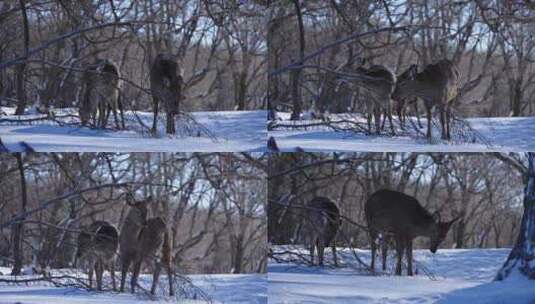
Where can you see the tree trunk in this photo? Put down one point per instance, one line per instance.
(296, 74)
(21, 68)
(18, 229)
(523, 253)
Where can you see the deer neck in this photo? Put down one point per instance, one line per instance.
(428, 229)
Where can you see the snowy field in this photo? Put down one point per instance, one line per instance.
(499, 134)
(458, 276)
(215, 131)
(220, 288)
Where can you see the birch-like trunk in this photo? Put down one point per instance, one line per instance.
(521, 260)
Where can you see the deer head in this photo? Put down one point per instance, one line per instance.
(439, 232)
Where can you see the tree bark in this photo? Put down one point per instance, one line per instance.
(521, 258)
(295, 75)
(18, 229)
(21, 68)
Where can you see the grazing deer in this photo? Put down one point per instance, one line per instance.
(166, 88)
(100, 93)
(399, 216)
(321, 226)
(437, 85)
(141, 239)
(97, 246)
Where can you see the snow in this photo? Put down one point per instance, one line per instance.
(221, 288)
(502, 134)
(458, 276)
(233, 131)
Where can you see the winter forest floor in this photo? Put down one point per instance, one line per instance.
(503, 134)
(219, 288)
(451, 276)
(224, 131)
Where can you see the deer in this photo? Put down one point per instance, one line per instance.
(380, 82)
(322, 221)
(166, 87)
(437, 85)
(99, 93)
(143, 239)
(97, 246)
(400, 217)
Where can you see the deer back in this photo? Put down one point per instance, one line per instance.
(322, 220)
(166, 80)
(99, 240)
(438, 82)
(379, 80)
(397, 213)
(151, 238)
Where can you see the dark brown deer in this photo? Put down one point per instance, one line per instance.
(322, 221)
(97, 247)
(99, 93)
(142, 240)
(396, 215)
(437, 85)
(166, 88)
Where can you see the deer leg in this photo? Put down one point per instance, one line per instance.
(170, 123)
(409, 257)
(155, 102)
(389, 114)
(399, 251)
(135, 275)
(443, 122)
(377, 117)
(334, 254)
(429, 118)
(384, 252)
(448, 120)
(417, 114)
(155, 276)
(321, 249)
(124, 270)
(90, 275)
(112, 274)
(312, 247)
(98, 271)
(374, 249)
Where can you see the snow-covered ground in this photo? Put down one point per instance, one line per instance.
(217, 131)
(513, 134)
(220, 288)
(460, 276)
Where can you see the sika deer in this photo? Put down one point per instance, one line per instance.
(436, 85)
(166, 87)
(397, 215)
(99, 93)
(142, 239)
(380, 82)
(128, 239)
(154, 243)
(97, 247)
(321, 226)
